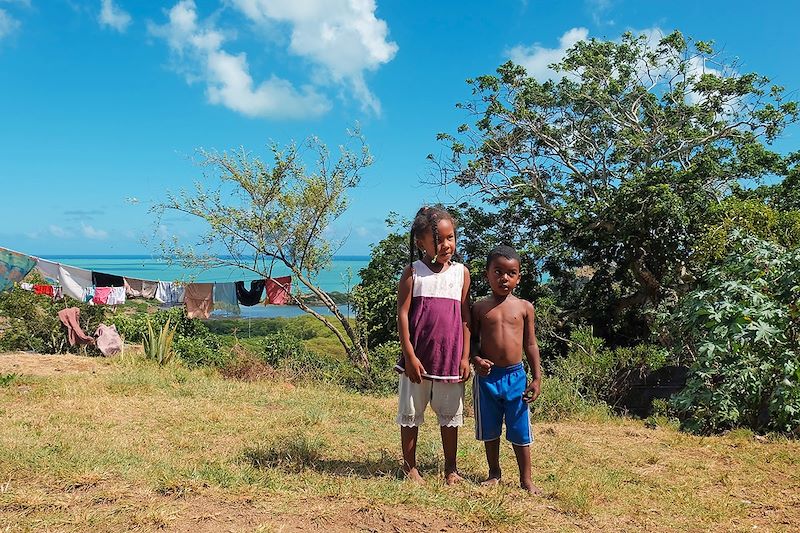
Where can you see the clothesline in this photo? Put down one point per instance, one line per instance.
(101, 288)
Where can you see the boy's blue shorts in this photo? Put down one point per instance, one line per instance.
(498, 396)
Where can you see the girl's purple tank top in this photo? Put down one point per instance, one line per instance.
(435, 323)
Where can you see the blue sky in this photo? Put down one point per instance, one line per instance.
(103, 101)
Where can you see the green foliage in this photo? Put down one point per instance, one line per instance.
(740, 332)
(262, 214)
(30, 322)
(7, 379)
(157, 343)
(614, 166)
(600, 374)
(193, 342)
(561, 400)
(375, 298)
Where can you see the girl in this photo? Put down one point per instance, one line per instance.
(433, 324)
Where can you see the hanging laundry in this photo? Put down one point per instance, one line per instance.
(169, 293)
(116, 296)
(101, 295)
(108, 340)
(58, 293)
(279, 290)
(26, 286)
(70, 317)
(13, 267)
(225, 298)
(46, 290)
(107, 280)
(251, 297)
(140, 288)
(88, 294)
(75, 281)
(199, 298)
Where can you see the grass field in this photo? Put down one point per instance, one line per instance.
(124, 445)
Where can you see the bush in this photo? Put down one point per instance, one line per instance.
(31, 322)
(193, 342)
(560, 399)
(740, 333)
(600, 374)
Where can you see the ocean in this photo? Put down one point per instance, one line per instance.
(341, 276)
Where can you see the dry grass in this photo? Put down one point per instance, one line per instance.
(137, 447)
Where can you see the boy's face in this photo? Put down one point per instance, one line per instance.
(503, 275)
(447, 242)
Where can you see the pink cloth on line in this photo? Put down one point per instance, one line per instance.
(101, 295)
(278, 290)
(199, 300)
(108, 340)
(70, 317)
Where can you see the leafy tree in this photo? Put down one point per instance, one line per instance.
(611, 170)
(262, 214)
(740, 334)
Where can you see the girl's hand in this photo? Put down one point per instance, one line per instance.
(482, 366)
(464, 369)
(414, 369)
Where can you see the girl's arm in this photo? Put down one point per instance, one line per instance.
(414, 369)
(466, 320)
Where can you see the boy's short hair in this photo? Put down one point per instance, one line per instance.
(503, 250)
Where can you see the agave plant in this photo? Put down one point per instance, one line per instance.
(158, 346)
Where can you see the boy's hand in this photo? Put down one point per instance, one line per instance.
(532, 390)
(464, 369)
(482, 366)
(414, 369)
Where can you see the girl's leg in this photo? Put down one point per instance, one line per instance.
(450, 446)
(408, 441)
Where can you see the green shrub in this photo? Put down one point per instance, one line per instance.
(600, 374)
(158, 343)
(740, 334)
(560, 399)
(193, 342)
(29, 321)
(382, 375)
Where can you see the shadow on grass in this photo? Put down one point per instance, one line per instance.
(304, 454)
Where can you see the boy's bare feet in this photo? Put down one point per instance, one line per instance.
(452, 478)
(531, 488)
(414, 476)
(492, 480)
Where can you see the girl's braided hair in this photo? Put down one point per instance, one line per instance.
(427, 217)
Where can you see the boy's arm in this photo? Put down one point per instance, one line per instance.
(414, 369)
(532, 353)
(466, 321)
(482, 366)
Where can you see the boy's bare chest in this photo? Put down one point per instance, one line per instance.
(509, 318)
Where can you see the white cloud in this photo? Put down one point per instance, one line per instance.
(599, 10)
(92, 233)
(113, 16)
(8, 24)
(58, 231)
(227, 76)
(342, 38)
(537, 59)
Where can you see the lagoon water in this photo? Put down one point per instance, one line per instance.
(341, 276)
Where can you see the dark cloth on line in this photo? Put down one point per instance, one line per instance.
(251, 297)
(70, 317)
(107, 280)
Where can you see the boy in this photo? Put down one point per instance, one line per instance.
(502, 328)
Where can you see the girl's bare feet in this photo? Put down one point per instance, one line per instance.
(531, 488)
(451, 478)
(414, 476)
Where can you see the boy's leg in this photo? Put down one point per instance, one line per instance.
(523, 454)
(493, 460)
(408, 441)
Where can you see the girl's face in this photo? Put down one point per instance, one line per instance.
(447, 242)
